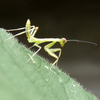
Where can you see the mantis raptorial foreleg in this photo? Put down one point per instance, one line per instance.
(51, 51)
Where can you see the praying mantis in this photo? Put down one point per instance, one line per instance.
(30, 33)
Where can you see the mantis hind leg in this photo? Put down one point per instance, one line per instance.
(52, 51)
(28, 35)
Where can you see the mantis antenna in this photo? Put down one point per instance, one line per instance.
(72, 40)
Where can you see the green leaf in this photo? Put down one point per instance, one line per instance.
(33, 80)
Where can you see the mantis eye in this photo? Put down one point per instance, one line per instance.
(63, 41)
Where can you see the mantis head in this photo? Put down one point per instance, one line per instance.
(63, 41)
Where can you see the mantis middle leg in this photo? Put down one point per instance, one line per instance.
(39, 48)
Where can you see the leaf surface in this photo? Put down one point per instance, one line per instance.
(33, 80)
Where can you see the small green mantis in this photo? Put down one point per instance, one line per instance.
(30, 33)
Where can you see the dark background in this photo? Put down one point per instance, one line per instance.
(72, 19)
